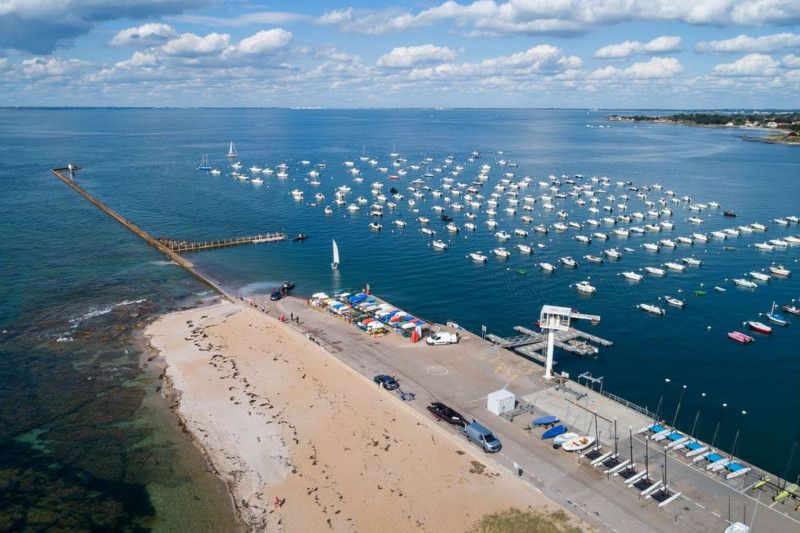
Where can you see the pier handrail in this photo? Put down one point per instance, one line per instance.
(628, 404)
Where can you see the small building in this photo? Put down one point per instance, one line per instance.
(501, 401)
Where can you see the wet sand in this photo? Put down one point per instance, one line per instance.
(276, 415)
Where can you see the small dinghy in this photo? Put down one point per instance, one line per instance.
(578, 443)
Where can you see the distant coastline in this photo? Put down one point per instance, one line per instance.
(787, 123)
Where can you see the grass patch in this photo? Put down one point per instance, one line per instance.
(514, 520)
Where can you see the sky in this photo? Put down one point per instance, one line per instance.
(611, 54)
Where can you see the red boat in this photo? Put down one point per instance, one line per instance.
(759, 327)
(740, 337)
(729, 214)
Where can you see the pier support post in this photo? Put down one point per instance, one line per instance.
(548, 369)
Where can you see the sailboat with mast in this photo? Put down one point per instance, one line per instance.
(232, 151)
(335, 263)
(204, 164)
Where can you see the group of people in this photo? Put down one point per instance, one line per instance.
(292, 318)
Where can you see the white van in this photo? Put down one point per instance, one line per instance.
(442, 338)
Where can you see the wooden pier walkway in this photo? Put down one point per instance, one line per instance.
(185, 246)
(155, 243)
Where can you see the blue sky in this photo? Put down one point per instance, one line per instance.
(670, 54)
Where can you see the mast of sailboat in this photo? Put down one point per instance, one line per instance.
(335, 263)
(232, 151)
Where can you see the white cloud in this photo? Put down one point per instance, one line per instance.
(406, 56)
(541, 60)
(758, 65)
(191, 45)
(51, 67)
(145, 35)
(791, 61)
(657, 67)
(744, 43)
(659, 45)
(265, 42)
(489, 17)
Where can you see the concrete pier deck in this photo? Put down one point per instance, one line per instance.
(462, 376)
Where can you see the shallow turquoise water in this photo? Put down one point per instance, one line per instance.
(68, 271)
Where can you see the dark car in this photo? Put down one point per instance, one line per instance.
(442, 412)
(387, 382)
(276, 295)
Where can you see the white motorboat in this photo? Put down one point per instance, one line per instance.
(594, 258)
(568, 262)
(675, 266)
(439, 245)
(684, 240)
(479, 257)
(328, 210)
(400, 223)
(451, 227)
(633, 276)
(583, 238)
(524, 248)
(613, 253)
(692, 261)
(501, 252)
(653, 309)
(674, 301)
(502, 235)
(520, 233)
(470, 226)
(655, 271)
(375, 226)
(427, 231)
(780, 270)
(651, 246)
(699, 237)
(696, 220)
(667, 243)
(547, 267)
(760, 276)
(600, 236)
(747, 284)
(764, 246)
(492, 223)
(585, 286)
(541, 228)
(560, 226)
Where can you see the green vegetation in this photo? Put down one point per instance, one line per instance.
(785, 123)
(530, 521)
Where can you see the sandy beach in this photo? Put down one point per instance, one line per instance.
(276, 415)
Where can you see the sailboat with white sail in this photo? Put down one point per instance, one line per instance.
(335, 263)
(232, 151)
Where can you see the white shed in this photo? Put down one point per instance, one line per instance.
(501, 401)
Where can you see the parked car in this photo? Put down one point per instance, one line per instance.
(442, 338)
(386, 382)
(451, 416)
(481, 436)
(276, 295)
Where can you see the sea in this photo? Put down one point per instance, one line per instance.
(88, 437)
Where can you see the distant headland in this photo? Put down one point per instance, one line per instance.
(785, 122)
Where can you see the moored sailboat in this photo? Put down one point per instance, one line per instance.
(335, 263)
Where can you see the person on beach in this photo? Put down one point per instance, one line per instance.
(291, 317)
(277, 503)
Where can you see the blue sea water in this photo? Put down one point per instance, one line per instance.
(70, 273)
